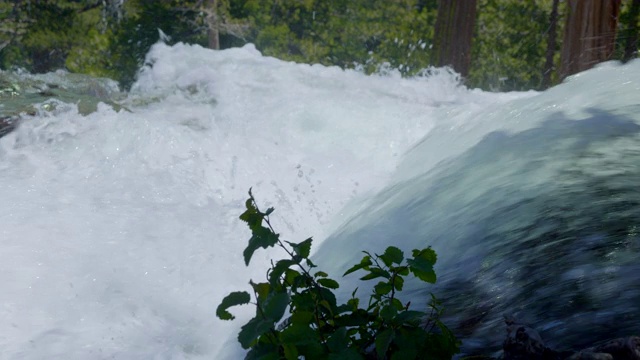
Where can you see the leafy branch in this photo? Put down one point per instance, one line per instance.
(316, 326)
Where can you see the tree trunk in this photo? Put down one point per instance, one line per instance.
(551, 46)
(214, 38)
(213, 23)
(631, 46)
(589, 36)
(453, 34)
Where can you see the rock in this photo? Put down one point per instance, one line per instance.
(522, 342)
(525, 343)
(588, 355)
(627, 348)
(7, 124)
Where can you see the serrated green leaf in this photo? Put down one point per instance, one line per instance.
(338, 341)
(310, 263)
(320, 274)
(313, 351)
(265, 232)
(303, 301)
(330, 298)
(423, 269)
(329, 283)
(275, 306)
(410, 338)
(233, 299)
(353, 303)
(302, 317)
(383, 340)
(392, 255)
(364, 264)
(358, 317)
(427, 254)
(302, 249)
(404, 271)
(376, 273)
(398, 282)
(422, 264)
(435, 303)
(398, 304)
(382, 288)
(279, 269)
(253, 219)
(409, 316)
(252, 216)
(263, 351)
(290, 352)
(261, 289)
(262, 238)
(299, 334)
(251, 331)
(325, 304)
(388, 312)
(250, 203)
(294, 279)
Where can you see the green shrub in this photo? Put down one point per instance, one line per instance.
(317, 326)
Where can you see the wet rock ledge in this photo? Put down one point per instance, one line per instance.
(7, 124)
(525, 343)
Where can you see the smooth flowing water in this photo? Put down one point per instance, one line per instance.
(119, 229)
(533, 208)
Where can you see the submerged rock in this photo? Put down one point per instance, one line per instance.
(525, 343)
(7, 124)
(627, 348)
(23, 93)
(522, 342)
(585, 355)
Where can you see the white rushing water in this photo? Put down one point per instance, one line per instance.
(119, 230)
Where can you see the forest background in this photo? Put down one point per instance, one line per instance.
(503, 44)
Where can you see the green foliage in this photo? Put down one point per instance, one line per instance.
(111, 38)
(139, 30)
(40, 36)
(345, 33)
(508, 51)
(628, 30)
(317, 326)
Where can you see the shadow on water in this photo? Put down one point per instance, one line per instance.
(543, 224)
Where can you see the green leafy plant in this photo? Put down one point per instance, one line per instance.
(317, 326)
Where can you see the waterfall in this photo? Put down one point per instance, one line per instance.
(119, 228)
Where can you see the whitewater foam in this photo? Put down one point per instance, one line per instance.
(119, 229)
